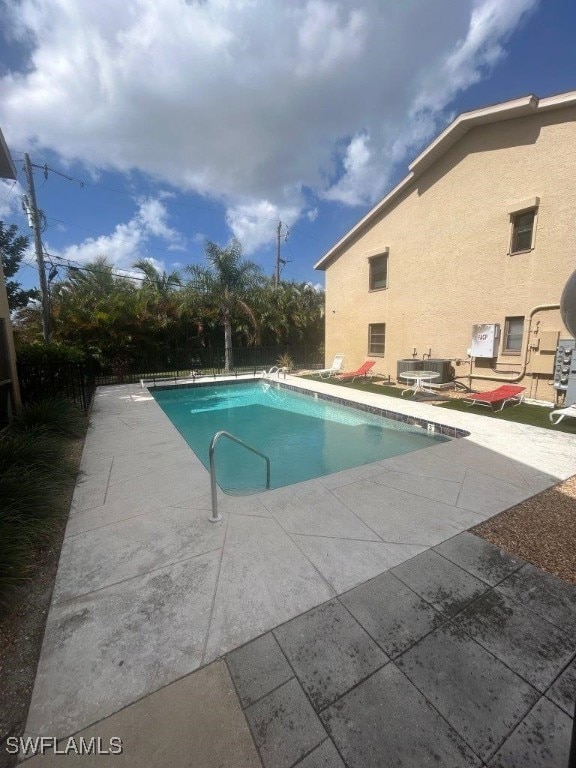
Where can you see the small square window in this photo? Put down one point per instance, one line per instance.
(522, 231)
(513, 334)
(376, 339)
(378, 272)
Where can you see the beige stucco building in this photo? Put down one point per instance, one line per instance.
(482, 230)
(9, 391)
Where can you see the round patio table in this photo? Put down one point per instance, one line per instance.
(420, 378)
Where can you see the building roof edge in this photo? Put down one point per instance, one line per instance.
(7, 167)
(506, 110)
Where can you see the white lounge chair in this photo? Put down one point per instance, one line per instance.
(337, 365)
(570, 410)
(274, 371)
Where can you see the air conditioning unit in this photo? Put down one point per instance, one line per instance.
(443, 367)
(408, 364)
(485, 340)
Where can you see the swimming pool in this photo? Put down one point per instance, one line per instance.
(303, 437)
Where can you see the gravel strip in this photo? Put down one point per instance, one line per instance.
(541, 530)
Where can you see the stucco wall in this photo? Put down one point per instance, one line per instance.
(449, 263)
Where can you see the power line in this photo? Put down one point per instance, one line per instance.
(7, 195)
(45, 168)
(101, 187)
(78, 268)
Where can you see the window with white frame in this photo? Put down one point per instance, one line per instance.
(513, 335)
(376, 339)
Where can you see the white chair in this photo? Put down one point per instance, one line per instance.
(570, 410)
(274, 371)
(337, 365)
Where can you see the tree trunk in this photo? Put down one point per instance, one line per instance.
(228, 361)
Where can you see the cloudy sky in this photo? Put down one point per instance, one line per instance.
(182, 120)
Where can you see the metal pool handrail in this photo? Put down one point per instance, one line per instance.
(215, 516)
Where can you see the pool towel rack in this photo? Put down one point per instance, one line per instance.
(216, 517)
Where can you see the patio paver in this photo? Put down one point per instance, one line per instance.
(528, 644)
(563, 692)
(329, 651)
(479, 696)
(122, 632)
(284, 726)
(394, 615)
(479, 557)
(444, 585)
(549, 597)
(387, 719)
(541, 740)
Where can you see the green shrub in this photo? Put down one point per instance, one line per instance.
(37, 448)
(53, 352)
(285, 361)
(15, 555)
(55, 415)
(36, 469)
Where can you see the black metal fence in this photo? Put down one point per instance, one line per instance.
(76, 381)
(180, 363)
(40, 381)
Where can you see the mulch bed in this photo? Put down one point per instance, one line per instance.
(541, 530)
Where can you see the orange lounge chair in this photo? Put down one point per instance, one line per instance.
(364, 370)
(507, 393)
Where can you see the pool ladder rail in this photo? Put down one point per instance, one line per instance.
(216, 517)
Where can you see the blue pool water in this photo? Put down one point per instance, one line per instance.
(302, 436)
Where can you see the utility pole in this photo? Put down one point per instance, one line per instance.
(277, 275)
(34, 219)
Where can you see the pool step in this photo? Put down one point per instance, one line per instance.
(243, 491)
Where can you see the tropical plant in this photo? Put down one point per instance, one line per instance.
(289, 313)
(160, 290)
(103, 313)
(130, 326)
(12, 250)
(224, 287)
(285, 361)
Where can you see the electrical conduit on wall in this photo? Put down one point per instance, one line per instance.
(518, 376)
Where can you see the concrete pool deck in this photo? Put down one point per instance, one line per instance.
(148, 590)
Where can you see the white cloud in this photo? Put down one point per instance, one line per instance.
(252, 101)
(255, 224)
(153, 216)
(362, 179)
(312, 214)
(129, 241)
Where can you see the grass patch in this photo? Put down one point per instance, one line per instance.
(36, 472)
(533, 415)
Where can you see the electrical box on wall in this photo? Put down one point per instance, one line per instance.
(485, 340)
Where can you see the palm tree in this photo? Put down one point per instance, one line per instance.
(224, 286)
(161, 284)
(289, 313)
(160, 290)
(103, 313)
